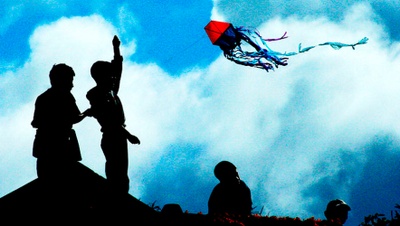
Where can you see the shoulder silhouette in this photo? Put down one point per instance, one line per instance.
(231, 195)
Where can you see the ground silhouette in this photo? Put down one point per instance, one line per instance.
(86, 200)
(79, 200)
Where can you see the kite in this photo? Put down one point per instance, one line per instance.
(229, 39)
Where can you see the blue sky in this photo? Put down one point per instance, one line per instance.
(324, 127)
(166, 32)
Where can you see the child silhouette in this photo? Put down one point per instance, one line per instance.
(337, 212)
(55, 146)
(231, 195)
(107, 108)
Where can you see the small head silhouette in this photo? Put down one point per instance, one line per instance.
(101, 72)
(226, 172)
(61, 77)
(337, 209)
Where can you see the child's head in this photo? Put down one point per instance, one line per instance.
(62, 76)
(337, 210)
(226, 172)
(101, 72)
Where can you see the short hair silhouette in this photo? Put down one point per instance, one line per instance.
(337, 210)
(60, 73)
(100, 69)
(225, 171)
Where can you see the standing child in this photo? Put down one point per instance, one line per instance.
(107, 109)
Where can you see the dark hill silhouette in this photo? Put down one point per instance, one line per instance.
(84, 198)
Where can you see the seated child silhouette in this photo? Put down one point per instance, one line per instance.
(231, 195)
(107, 108)
(337, 212)
(55, 146)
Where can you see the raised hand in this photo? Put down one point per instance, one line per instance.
(116, 42)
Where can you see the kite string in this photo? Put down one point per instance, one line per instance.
(185, 49)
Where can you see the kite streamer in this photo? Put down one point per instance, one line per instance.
(229, 39)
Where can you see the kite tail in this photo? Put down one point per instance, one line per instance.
(264, 57)
(275, 39)
(253, 37)
(361, 42)
(335, 45)
(260, 59)
(248, 59)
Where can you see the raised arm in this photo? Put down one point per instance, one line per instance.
(117, 63)
(116, 43)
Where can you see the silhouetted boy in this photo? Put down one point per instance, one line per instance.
(107, 109)
(231, 195)
(337, 212)
(55, 146)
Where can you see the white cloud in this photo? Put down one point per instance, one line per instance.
(286, 130)
(285, 124)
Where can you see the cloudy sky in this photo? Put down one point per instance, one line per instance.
(326, 126)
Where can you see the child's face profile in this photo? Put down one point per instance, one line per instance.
(228, 174)
(69, 84)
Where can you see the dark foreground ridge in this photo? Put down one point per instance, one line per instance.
(83, 199)
(86, 200)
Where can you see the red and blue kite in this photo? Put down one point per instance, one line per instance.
(229, 39)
